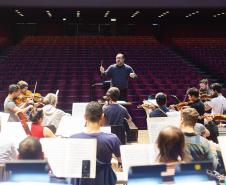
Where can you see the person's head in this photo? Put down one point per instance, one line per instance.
(36, 115)
(193, 94)
(161, 98)
(14, 90)
(171, 145)
(113, 94)
(93, 112)
(189, 117)
(50, 99)
(120, 59)
(23, 86)
(30, 148)
(216, 88)
(204, 84)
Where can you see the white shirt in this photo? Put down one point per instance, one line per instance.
(217, 104)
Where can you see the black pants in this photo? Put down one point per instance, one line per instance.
(123, 94)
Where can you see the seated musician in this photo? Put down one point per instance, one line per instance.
(37, 128)
(204, 87)
(198, 146)
(217, 104)
(52, 114)
(196, 103)
(10, 105)
(161, 109)
(171, 145)
(114, 113)
(107, 144)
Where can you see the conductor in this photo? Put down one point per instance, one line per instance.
(119, 74)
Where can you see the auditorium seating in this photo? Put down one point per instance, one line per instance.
(209, 53)
(71, 64)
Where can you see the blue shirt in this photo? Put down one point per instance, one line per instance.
(115, 114)
(159, 112)
(119, 75)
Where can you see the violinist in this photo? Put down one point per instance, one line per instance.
(196, 103)
(161, 109)
(25, 94)
(10, 105)
(204, 88)
(217, 104)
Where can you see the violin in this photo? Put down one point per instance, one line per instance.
(180, 105)
(208, 97)
(23, 121)
(147, 106)
(217, 117)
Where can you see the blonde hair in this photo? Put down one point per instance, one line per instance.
(189, 116)
(51, 99)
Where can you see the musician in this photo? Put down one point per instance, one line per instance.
(52, 115)
(161, 109)
(107, 144)
(25, 94)
(114, 113)
(119, 74)
(37, 127)
(10, 105)
(196, 103)
(204, 87)
(217, 104)
(197, 146)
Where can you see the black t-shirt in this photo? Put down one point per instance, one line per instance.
(198, 105)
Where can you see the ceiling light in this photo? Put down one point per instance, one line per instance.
(113, 19)
(64, 19)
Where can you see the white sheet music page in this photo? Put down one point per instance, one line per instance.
(222, 144)
(156, 124)
(14, 131)
(65, 155)
(4, 117)
(78, 110)
(137, 155)
(69, 125)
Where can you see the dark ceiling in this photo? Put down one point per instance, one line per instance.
(36, 15)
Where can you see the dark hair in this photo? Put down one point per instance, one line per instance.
(193, 92)
(123, 56)
(93, 111)
(161, 98)
(113, 93)
(216, 87)
(30, 148)
(13, 88)
(171, 144)
(36, 115)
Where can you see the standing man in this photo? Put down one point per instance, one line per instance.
(10, 105)
(119, 74)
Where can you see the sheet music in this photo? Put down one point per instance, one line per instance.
(70, 125)
(156, 124)
(14, 131)
(4, 117)
(65, 156)
(137, 155)
(78, 110)
(222, 144)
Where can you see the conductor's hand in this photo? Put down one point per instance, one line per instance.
(101, 69)
(132, 75)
